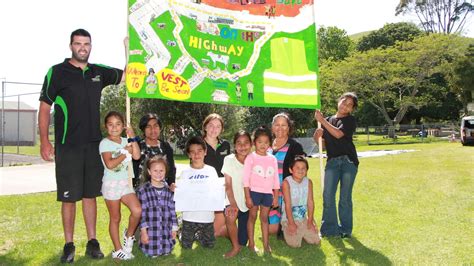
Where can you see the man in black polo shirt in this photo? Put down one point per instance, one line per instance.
(75, 86)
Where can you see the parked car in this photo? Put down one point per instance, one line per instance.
(467, 130)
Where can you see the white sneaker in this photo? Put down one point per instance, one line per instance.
(122, 255)
(128, 242)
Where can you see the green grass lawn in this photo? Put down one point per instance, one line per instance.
(411, 208)
(25, 150)
(359, 139)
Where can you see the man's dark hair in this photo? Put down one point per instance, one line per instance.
(80, 32)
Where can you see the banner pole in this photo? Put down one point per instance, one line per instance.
(321, 164)
(131, 174)
(320, 141)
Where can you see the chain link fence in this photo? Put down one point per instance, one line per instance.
(406, 134)
(19, 126)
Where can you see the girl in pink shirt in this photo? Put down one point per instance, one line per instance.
(261, 185)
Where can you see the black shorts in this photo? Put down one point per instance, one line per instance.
(79, 172)
(202, 232)
(261, 199)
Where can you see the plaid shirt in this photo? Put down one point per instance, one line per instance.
(159, 217)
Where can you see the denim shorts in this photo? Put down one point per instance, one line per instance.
(261, 199)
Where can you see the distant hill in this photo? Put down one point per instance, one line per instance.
(356, 37)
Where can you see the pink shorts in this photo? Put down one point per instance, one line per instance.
(116, 189)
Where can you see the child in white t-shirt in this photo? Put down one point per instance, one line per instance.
(198, 225)
(236, 210)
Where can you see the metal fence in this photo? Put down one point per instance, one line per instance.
(19, 115)
(401, 134)
(406, 134)
(372, 135)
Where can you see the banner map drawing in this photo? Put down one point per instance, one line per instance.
(243, 52)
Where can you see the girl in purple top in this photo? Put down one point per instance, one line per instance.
(158, 224)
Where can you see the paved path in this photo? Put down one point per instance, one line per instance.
(41, 178)
(36, 178)
(27, 179)
(10, 159)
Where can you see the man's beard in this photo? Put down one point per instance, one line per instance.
(80, 59)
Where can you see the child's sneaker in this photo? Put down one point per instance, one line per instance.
(121, 255)
(128, 242)
(69, 251)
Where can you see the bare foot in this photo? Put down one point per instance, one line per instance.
(232, 253)
(268, 249)
(253, 249)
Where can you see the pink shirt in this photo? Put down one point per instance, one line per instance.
(261, 173)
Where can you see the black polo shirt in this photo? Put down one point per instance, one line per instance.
(76, 94)
(215, 158)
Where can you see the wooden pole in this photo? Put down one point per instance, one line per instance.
(131, 174)
(321, 164)
(320, 141)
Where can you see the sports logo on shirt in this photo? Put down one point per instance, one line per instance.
(198, 176)
(96, 78)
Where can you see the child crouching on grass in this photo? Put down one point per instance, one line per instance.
(158, 224)
(198, 225)
(116, 153)
(298, 206)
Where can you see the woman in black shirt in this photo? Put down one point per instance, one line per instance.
(152, 144)
(217, 149)
(342, 165)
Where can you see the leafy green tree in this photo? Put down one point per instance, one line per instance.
(439, 16)
(388, 35)
(368, 115)
(180, 119)
(463, 79)
(333, 44)
(258, 116)
(398, 78)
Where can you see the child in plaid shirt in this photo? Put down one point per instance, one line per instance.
(158, 224)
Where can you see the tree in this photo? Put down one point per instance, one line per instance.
(398, 78)
(333, 44)
(257, 116)
(388, 35)
(180, 119)
(439, 16)
(463, 79)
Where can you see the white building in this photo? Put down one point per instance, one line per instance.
(20, 123)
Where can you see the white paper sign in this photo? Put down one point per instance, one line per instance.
(199, 195)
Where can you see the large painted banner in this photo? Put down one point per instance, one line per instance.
(243, 52)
